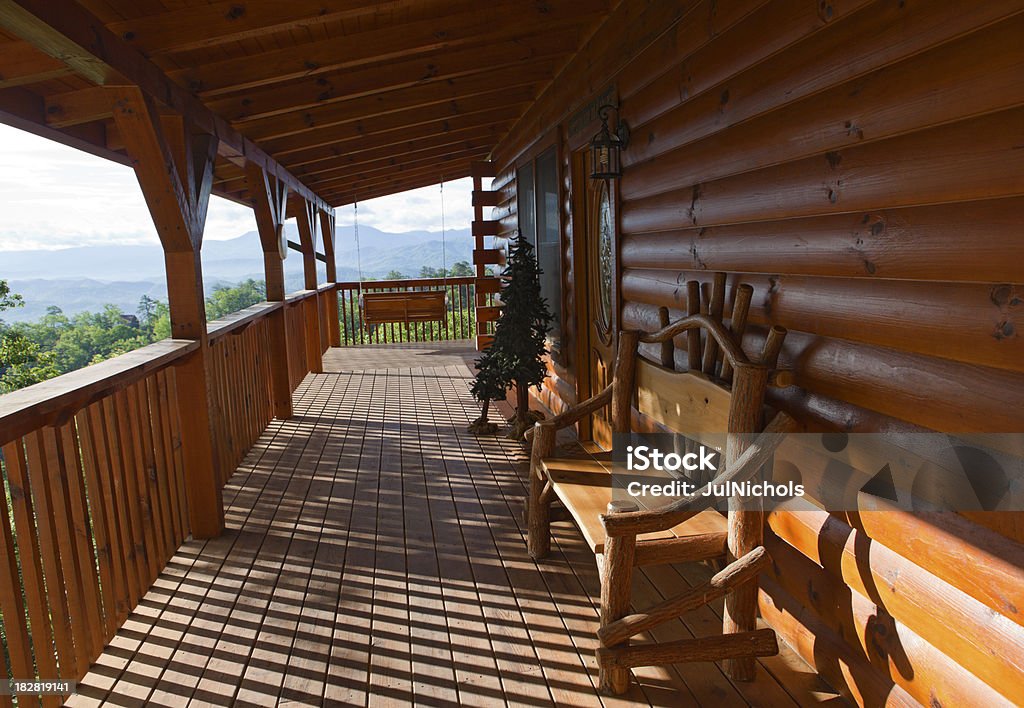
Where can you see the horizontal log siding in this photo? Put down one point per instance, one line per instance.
(857, 162)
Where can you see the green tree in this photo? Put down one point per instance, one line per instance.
(396, 275)
(146, 312)
(461, 269)
(520, 333)
(226, 299)
(9, 300)
(22, 361)
(490, 384)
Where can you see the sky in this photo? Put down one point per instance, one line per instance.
(54, 196)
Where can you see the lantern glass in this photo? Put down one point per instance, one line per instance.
(605, 151)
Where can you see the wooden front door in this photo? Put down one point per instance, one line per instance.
(595, 221)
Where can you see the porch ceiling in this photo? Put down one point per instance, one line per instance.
(355, 98)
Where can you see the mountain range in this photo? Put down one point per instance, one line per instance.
(90, 277)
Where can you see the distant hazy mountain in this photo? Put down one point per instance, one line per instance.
(89, 277)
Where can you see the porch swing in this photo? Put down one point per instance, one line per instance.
(407, 307)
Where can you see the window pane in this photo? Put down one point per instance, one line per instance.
(547, 239)
(526, 202)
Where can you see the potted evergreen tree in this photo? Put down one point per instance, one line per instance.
(520, 334)
(489, 385)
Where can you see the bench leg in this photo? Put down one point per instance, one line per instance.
(616, 589)
(538, 519)
(538, 509)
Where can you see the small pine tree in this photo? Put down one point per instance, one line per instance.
(520, 334)
(489, 385)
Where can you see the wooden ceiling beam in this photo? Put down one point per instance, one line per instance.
(409, 142)
(25, 110)
(397, 161)
(232, 179)
(343, 197)
(65, 30)
(23, 64)
(385, 103)
(385, 170)
(628, 29)
(456, 127)
(329, 88)
(399, 183)
(223, 21)
(505, 20)
(77, 107)
(511, 101)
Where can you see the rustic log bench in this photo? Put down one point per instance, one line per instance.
(724, 395)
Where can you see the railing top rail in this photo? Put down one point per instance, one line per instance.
(238, 321)
(50, 401)
(406, 283)
(298, 296)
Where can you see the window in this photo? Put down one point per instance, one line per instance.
(537, 192)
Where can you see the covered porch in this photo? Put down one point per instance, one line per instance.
(374, 553)
(248, 512)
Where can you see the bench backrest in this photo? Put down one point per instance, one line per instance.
(720, 393)
(411, 306)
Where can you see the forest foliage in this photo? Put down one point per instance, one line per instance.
(56, 343)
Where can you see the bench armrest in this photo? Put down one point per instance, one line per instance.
(631, 523)
(580, 410)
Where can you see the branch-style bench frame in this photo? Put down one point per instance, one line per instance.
(624, 536)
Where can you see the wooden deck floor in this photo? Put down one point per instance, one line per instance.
(375, 555)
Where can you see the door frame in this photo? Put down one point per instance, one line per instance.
(581, 218)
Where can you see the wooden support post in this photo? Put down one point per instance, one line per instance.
(746, 519)
(176, 174)
(308, 225)
(616, 589)
(269, 199)
(327, 224)
(480, 170)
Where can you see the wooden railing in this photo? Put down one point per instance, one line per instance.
(94, 505)
(460, 321)
(241, 403)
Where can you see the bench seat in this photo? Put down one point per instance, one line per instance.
(583, 483)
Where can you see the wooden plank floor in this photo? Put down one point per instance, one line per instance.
(375, 555)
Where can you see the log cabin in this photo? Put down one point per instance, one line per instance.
(237, 514)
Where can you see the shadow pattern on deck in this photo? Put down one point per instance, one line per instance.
(375, 554)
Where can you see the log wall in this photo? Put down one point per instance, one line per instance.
(858, 163)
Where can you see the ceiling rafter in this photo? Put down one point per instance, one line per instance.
(505, 20)
(483, 133)
(435, 115)
(199, 26)
(307, 93)
(458, 125)
(66, 30)
(365, 108)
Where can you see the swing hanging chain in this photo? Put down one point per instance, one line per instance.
(444, 254)
(359, 255)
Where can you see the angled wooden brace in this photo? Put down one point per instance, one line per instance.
(327, 224)
(174, 166)
(309, 225)
(270, 195)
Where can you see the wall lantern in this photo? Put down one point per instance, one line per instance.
(606, 147)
